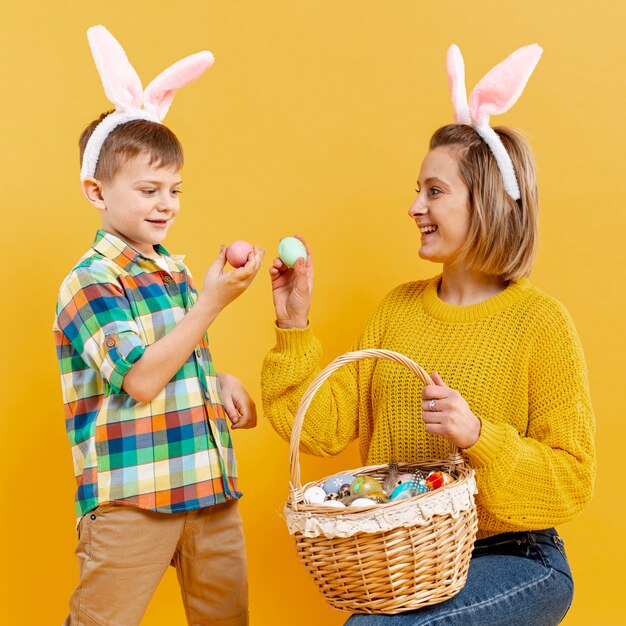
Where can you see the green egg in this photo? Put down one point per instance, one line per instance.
(364, 485)
(290, 250)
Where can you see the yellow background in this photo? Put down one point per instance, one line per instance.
(314, 119)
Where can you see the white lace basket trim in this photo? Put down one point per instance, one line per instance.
(452, 500)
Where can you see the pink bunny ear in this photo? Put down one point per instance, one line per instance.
(500, 88)
(119, 78)
(160, 92)
(456, 82)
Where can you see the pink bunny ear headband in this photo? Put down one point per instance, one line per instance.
(123, 88)
(495, 93)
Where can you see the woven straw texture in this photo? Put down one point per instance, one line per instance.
(392, 557)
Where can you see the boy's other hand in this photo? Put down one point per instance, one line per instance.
(292, 289)
(238, 404)
(220, 288)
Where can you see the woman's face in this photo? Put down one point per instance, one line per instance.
(441, 209)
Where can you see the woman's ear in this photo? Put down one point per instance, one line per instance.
(92, 190)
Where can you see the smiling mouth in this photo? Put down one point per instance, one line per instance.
(158, 222)
(425, 230)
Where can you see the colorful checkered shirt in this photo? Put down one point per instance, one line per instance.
(171, 454)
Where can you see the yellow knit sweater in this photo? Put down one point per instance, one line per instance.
(516, 359)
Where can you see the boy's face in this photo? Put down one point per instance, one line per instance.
(140, 203)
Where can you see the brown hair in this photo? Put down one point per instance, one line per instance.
(503, 232)
(130, 139)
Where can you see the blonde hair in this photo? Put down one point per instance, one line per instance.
(503, 232)
(130, 139)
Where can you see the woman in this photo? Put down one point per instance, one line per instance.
(510, 380)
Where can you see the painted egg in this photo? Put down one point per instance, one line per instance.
(364, 485)
(237, 253)
(335, 483)
(436, 480)
(290, 250)
(403, 491)
(335, 504)
(377, 496)
(361, 502)
(408, 490)
(405, 478)
(314, 495)
(344, 491)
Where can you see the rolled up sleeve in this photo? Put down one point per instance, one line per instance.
(95, 315)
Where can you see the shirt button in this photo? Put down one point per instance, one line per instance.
(207, 395)
(167, 278)
(110, 342)
(199, 353)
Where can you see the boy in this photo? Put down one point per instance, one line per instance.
(145, 409)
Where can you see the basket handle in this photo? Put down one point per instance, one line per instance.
(307, 398)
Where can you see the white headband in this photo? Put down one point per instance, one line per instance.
(495, 93)
(124, 89)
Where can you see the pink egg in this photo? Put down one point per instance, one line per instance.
(237, 253)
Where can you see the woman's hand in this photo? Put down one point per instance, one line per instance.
(238, 404)
(446, 413)
(220, 288)
(291, 290)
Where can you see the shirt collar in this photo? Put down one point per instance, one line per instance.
(114, 248)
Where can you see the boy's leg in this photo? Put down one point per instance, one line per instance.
(123, 553)
(212, 568)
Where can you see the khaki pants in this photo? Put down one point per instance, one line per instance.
(123, 553)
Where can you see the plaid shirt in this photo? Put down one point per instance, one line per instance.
(171, 454)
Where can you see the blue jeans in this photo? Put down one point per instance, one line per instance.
(514, 579)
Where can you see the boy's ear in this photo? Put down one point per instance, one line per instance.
(92, 190)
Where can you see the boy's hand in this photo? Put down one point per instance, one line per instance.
(238, 404)
(220, 288)
(291, 290)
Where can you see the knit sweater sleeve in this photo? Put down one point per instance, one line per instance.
(544, 476)
(332, 420)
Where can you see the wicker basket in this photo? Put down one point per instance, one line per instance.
(387, 558)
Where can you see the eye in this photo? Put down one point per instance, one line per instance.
(435, 191)
(176, 192)
(148, 192)
(418, 189)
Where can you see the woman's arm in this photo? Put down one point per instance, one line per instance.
(545, 476)
(332, 420)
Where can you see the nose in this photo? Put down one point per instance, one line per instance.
(418, 207)
(166, 202)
